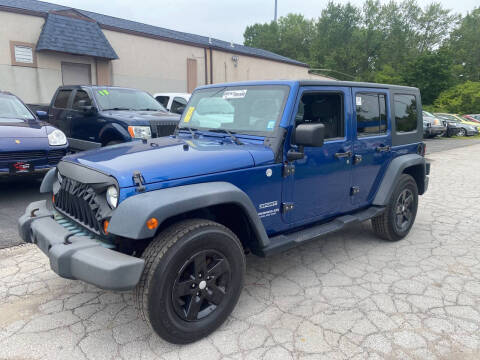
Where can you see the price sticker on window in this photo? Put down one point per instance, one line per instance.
(358, 100)
(189, 114)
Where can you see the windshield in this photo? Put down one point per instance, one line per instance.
(126, 99)
(426, 113)
(254, 109)
(11, 108)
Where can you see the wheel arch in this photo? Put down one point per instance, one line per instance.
(218, 201)
(113, 131)
(411, 164)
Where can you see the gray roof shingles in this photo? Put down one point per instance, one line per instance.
(74, 36)
(127, 25)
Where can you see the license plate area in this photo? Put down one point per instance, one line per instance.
(20, 167)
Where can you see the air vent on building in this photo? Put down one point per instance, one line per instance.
(23, 54)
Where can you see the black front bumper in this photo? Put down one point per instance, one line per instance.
(78, 256)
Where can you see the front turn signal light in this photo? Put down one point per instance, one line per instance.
(152, 223)
(105, 227)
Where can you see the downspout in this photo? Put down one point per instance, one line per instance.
(206, 71)
(211, 66)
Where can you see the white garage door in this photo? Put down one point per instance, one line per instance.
(76, 74)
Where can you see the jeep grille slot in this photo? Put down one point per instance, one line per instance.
(78, 201)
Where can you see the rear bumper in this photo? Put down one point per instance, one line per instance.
(78, 257)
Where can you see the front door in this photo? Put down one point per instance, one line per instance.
(320, 186)
(84, 124)
(371, 148)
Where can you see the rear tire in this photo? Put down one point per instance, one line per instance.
(192, 280)
(398, 218)
(462, 132)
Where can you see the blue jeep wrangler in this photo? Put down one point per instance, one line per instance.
(253, 167)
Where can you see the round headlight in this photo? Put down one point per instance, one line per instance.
(112, 196)
(57, 138)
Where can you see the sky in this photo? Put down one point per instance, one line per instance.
(221, 19)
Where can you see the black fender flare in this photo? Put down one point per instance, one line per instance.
(130, 217)
(115, 128)
(392, 176)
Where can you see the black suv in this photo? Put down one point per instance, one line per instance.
(95, 116)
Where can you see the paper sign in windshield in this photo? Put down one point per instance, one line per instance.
(234, 94)
(188, 115)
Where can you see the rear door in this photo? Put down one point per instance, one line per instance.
(59, 113)
(372, 142)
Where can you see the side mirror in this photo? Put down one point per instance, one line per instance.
(42, 115)
(311, 135)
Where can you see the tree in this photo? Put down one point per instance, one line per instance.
(463, 98)
(431, 72)
(465, 45)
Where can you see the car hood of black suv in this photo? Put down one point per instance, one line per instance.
(170, 158)
(140, 115)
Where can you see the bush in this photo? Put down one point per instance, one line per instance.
(463, 99)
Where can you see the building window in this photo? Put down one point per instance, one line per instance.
(23, 54)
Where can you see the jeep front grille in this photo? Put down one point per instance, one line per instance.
(78, 201)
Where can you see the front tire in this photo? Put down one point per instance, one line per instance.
(398, 218)
(462, 132)
(192, 280)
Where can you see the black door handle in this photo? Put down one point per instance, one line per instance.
(383, 148)
(340, 155)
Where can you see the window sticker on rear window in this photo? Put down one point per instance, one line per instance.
(271, 125)
(358, 100)
(189, 114)
(234, 94)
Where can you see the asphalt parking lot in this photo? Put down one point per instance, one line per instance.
(348, 295)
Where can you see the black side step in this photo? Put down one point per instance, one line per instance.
(284, 242)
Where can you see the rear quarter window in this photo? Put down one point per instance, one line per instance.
(406, 114)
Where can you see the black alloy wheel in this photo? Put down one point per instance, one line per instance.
(404, 210)
(201, 285)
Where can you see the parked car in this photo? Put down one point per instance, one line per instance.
(173, 102)
(432, 126)
(95, 116)
(472, 117)
(466, 128)
(27, 145)
(173, 217)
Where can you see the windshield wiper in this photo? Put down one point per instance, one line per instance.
(192, 130)
(116, 108)
(229, 133)
(148, 109)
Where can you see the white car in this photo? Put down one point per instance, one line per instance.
(173, 102)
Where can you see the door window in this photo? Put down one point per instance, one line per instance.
(371, 114)
(323, 108)
(178, 105)
(163, 100)
(405, 113)
(81, 99)
(61, 101)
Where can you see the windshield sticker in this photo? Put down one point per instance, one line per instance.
(358, 100)
(189, 114)
(271, 125)
(103, 92)
(234, 94)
